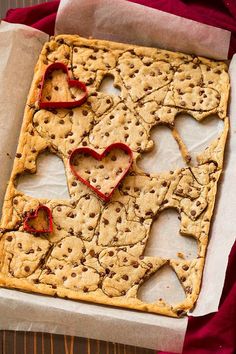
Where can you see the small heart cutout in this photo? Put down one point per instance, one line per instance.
(103, 178)
(38, 221)
(198, 135)
(49, 181)
(108, 86)
(54, 87)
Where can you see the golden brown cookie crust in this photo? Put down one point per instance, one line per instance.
(96, 250)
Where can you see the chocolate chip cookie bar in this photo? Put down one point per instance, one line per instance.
(95, 250)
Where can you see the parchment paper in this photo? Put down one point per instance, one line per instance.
(19, 50)
(123, 21)
(24, 311)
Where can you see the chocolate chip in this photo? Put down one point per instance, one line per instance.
(185, 267)
(18, 155)
(164, 184)
(106, 222)
(27, 269)
(84, 269)
(73, 275)
(19, 245)
(193, 212)
(198, 203)
(92, 215)
(75, 50)
(125, 277)
(90, 228)
(52, 136)
(85, 289)
(135, 264)
(74, 183)
(69, 250)
(180, 312)
(92, 253)
(111, 253)
(9, 238)
(89, 82)
(113, 158)
(85, 113)
(119, 219)
(188, 290)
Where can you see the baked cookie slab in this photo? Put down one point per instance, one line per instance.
(96, 250)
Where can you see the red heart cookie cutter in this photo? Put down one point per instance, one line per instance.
(34, 215)
(71, 83)
(99, 157)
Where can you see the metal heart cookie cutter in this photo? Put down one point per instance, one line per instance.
(88, 151)
(71, 83)
(34, 215)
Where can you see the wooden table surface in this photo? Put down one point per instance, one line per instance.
(12, 342)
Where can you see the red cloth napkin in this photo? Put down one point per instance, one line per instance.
(216, 332)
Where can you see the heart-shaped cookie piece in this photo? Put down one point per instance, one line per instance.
(101, 172)
(39, 220)
(60, 91)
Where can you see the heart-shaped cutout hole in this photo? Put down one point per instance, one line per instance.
(102, 172)
(108, 86)
(165, 232)
(39, 221)
(58, 90)
(165, 155)
(49, 181)
(164, 286)
(196, 135)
